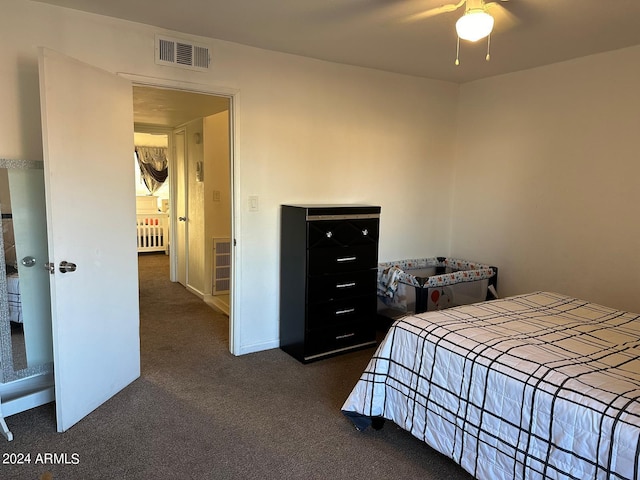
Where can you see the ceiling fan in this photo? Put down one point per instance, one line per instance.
(475, 24)
(493, 9)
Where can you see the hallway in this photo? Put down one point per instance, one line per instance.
(173, 319)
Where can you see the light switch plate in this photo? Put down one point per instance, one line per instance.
(253, 203)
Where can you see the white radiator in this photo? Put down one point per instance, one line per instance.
(221, 266)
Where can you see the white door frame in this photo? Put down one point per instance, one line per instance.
(234, 102)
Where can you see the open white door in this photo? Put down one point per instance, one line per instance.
(87, 122)
(180, 239)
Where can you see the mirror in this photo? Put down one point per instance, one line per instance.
(26, 346)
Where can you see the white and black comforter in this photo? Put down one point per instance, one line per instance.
(13, 294)
(528, 387)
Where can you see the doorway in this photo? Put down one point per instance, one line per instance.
(197, 127)
(94, 359)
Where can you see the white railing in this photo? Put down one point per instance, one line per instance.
(152, 232)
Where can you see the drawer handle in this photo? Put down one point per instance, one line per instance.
(346, 310)
(346, 285)
(348, 335)
(346, 259)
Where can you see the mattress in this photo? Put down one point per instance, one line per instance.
(533, 386)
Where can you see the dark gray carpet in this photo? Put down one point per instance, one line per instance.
(197, 412)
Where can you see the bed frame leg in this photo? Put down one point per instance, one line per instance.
(377, 423)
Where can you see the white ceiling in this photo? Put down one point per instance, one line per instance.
(372, 33)
(170, 108)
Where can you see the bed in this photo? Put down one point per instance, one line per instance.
(533, 386)
(152, 226)
(13, 294)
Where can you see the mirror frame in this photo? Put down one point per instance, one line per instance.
(7, 371)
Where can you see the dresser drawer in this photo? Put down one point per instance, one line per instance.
(328, 340)
(341, 259)
(350, 310)
(323, 288)
(340, 233)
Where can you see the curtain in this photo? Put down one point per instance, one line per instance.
(153, 166)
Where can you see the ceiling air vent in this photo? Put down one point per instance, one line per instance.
(180, 53)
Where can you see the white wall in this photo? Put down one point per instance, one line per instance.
(5, 197)
(547, 178)
(217, 175)
(6, 230)
(217, 186)
(306, 130)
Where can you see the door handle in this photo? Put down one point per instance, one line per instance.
(347, 335)
(67, 267)
(182, 219)
(346, 259)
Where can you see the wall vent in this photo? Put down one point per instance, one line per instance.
(221, 266)
(181, 53)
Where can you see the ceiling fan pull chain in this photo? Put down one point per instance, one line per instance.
(488, 57)
(457, 62)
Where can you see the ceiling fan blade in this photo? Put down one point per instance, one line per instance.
(504, 19)
(434, 11)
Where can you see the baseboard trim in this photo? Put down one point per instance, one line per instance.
(258, 347)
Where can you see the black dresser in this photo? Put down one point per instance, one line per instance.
(328, 271)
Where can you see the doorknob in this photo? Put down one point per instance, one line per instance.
(182, 219)
(67, 267)
(28, 261)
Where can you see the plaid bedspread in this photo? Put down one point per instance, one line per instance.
(533, 386)
(13, 297)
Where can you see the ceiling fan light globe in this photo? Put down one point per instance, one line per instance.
(474, 25)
